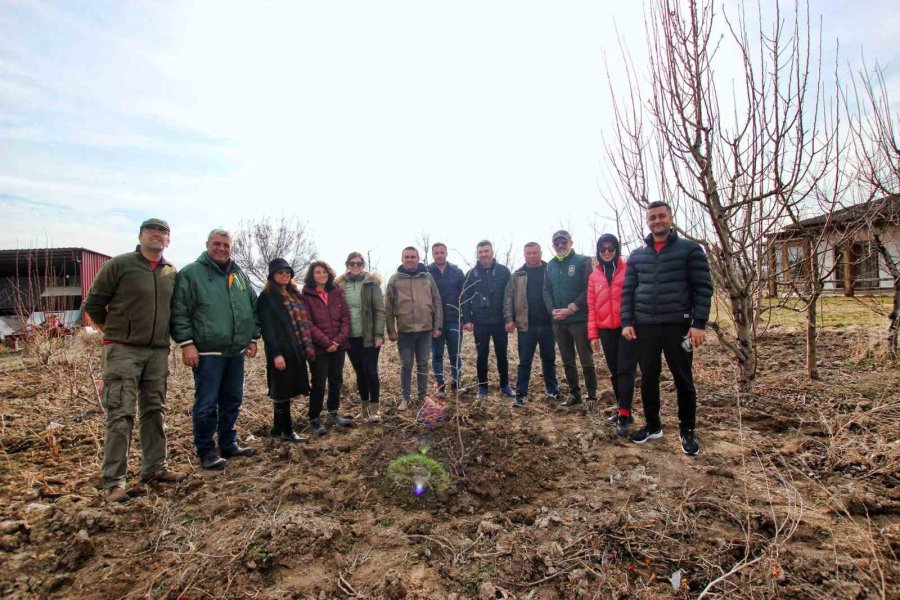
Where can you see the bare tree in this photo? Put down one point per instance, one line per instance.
(728, 165)
(259, 241)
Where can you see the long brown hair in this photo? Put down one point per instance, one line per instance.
(310, 281)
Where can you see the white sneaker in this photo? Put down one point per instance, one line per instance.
(404, 405)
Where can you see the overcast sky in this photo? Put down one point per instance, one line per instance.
(373, 121)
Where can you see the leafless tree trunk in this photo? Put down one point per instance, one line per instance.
(728, 166)
(259, 241)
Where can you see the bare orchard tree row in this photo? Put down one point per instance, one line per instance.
(259, 241)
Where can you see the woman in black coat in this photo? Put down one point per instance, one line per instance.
(284, 322)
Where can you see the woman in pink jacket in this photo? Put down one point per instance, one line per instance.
(604, 298)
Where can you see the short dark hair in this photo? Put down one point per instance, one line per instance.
(660, 204)
(413, 248)
(309, 280)
(484, 243)
(532, 244)
(438, 245)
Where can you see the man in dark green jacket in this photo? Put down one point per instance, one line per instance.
(129, 302)
(565, 294)
(214, 322)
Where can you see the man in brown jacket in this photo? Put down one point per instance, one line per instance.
(129, 302)
(413, 313)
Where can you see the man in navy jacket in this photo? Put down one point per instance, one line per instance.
(665, 305)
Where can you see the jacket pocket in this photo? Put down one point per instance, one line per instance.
(111, 396)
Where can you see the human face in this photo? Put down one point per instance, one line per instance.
(219, 248)
(532, 256)
(282, 277)
(561, 245)
(440, 255)
(485, 255)
(410, 259)
(659, 221)
(154, 238)
(355, 265)
(320, 276)
(607, 251)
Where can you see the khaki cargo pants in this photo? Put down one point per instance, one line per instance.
(133, 376)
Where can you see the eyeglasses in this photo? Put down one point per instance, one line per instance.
(158, 228)
(560, 242)
(356, 263)
(605, 249)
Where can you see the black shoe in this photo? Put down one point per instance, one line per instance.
(613, 419)
(213, 463)
(335, 419)
(689, 443)
(552, 396)
(645, 434)
(519, 402)
(317, 428)
(571, 402)
(623, 425)
(291, 437)
(482, 392)
(235, 451)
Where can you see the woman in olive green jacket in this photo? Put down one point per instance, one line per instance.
(362, 291)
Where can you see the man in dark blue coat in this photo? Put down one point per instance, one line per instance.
(449, 279)
(665, 305)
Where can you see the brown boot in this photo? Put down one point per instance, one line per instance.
(163, 475)
(115, 494)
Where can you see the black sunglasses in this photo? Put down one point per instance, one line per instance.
(356, 263)
(158, 228)
(606, 249)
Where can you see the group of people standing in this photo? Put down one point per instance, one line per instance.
(655, 305)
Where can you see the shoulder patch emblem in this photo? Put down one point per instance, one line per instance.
(571, 270)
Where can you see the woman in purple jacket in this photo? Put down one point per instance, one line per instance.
(329, 318)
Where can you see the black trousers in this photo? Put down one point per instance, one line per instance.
(327, 368)
(572, 338)
(653, 342)
(620, 360)
(365, 364)
(483, 335)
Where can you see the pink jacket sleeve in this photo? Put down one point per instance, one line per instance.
(592, 332)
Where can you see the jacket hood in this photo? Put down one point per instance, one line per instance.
(493, 265)
(672, 235)
(609, 238)
(206, 260)
(368, 277)
(420, 268)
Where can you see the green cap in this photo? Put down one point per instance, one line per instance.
(157, 222)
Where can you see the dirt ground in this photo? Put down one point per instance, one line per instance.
(793, 496)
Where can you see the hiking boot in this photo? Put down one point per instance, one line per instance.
(163, 475)
(317, 428)
(689, 443)
(440, 392)
(482, 392)
(404, 405)
(115, 494)
(374, 417)
(645, 434)
(291, 437)
(571, 403)
(213, 463)
(507, 392)
(519, 401)
(553, 396)
(613, 419)
(236, 451)
(336, 419)
(623, 425)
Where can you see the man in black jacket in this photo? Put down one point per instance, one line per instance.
(482, 308)
(665, 305)
(449, 279)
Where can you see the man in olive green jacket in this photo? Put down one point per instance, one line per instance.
(214, 322)
(412, 307)
(129, 302)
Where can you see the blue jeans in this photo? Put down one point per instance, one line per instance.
(528, 342)
(451, 337)
(218, 393)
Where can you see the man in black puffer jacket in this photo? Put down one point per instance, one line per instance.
(665, 305)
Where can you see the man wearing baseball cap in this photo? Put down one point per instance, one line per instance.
(129, 302)
(565, 294)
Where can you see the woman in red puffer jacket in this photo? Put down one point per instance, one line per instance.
(329, 318)
(604, 298)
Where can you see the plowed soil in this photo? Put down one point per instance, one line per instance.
(793, 496)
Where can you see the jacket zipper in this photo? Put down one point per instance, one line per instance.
(155, 307)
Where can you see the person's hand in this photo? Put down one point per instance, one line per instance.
(436, 333)
(392, 336)
(190, 357)
(595, 344)
(279, 363)
(378, 342)
(251, 350)
(698, 337)
(470, 327)
(510, 327)
(628, 333)
(333, 347)
(561, 313)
